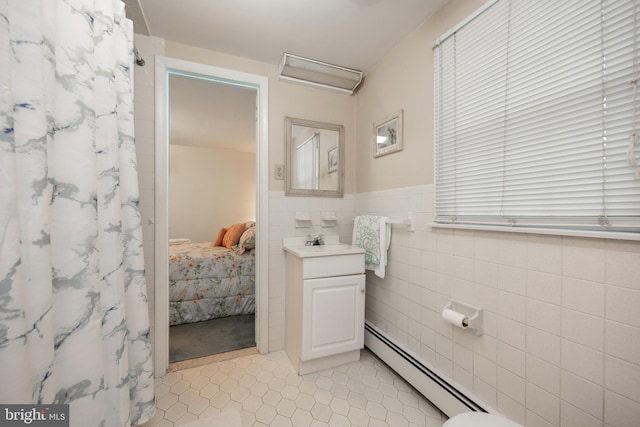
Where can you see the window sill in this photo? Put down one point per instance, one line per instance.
(615, 235)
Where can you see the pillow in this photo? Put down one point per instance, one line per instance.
(218, 240)
(232, 236)
(247, 241)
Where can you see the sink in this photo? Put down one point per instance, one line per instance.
(332, 247)
(323, 250)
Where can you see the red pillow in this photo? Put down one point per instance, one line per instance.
(218, 240)
(232, 236)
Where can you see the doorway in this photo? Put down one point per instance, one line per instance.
(166, 70)
(212, 186)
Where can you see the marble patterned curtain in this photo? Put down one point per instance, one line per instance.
(74, 323)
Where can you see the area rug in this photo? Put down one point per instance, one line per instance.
(225, 419)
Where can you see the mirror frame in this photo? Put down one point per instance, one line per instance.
(289, 122)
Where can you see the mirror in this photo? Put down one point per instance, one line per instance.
(314, 158)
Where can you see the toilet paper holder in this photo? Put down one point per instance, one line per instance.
(472, 314)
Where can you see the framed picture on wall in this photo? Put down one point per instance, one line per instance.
(387, 135)
(333, 159)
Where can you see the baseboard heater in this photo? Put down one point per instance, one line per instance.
(433, 385)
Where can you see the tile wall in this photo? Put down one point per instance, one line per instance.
(561, 342)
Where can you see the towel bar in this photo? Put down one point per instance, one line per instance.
(404, 221)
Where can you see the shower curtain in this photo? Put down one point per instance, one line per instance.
(74, 324)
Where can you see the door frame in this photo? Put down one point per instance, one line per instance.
(163, 67)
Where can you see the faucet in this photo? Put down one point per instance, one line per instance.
(314, 241)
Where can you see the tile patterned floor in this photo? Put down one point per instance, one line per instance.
(266, 390)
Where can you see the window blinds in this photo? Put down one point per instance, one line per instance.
(534, 116)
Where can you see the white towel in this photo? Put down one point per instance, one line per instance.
(373, 234)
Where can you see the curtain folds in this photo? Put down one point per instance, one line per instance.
(74, 324)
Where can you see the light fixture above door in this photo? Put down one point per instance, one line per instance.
(297, 69)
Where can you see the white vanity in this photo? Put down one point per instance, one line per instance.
(325, 295)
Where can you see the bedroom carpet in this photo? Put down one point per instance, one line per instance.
(193, 340)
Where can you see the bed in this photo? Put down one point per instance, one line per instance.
(207, 282)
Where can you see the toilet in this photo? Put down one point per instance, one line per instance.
(479, 419)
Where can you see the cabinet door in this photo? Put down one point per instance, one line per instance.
(332, 316)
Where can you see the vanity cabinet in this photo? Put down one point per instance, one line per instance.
(325, 294)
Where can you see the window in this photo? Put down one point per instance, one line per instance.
(535, 116)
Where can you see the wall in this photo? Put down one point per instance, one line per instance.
(209, 189)
(403, 80)
(285, 99)
(561, 342)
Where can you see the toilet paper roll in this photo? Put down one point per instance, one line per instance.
(455, 318)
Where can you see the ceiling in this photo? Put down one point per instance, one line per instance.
(204, 113)
(350, 33)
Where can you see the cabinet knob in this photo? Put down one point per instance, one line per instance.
(362, 291)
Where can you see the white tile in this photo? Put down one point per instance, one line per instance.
(512, 359)
(544, 287)
(543, 404)
(486, 297)
(485, 392)
(512, 385)
(463, 377)
(512, 250)
(586, 297)
(512, 279)
(544, 345)
(623, 268)
(622, 341)
(292, 400)
(486, 246)
(570, 416)
(463, 268)
(544, 316)
(428, 260)
(622, 378)
(583, 361)
(444, 241)
(583, 259)
(510, 408)
(463, 357)
(622, 305)
(463, 243)
(485, 370)
(512, 306)
(444, 364)
(543, 374)
(535, 420)
(583, 329)
(486, 345)
(544, 253)
(463, 290)
(486, 273)
(620, 411)
(582, 394)
(512, 332)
